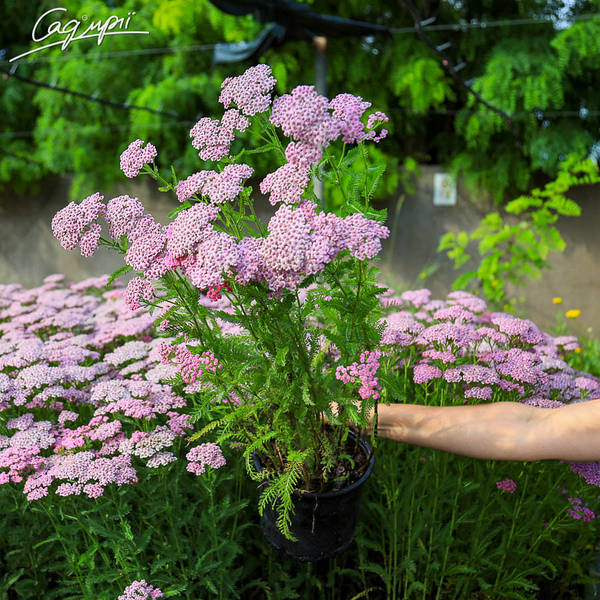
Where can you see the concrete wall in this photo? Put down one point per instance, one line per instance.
(29, 252)
(574, 276)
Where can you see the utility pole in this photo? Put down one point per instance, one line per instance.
(320, 43)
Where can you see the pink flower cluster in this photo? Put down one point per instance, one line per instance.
(251, 92)
(95, 370)
(348, 110)
(135, 157)
(122, 215)
(205, 454)
(483, 356)
(140, 590)
(365, 372)
(217, 187)
(508, 485)
(212, 138)
(579, 511)
(75, 225)
(301, 242)
(192, 366)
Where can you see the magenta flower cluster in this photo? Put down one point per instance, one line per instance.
(363, 372)
(75, 225)
(579, 511)
(508, 485)
(300, 240)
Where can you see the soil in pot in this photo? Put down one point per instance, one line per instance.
(324, 522)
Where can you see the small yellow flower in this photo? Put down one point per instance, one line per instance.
(572, 314)
(494, 282)
(577, 350)
(556, 300)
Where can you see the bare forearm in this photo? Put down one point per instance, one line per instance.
(498, 431)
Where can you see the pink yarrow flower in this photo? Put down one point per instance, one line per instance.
(348, 110)
(122, 214)
(507, 485)
(363, 371)
(140, 590)
(135, 157)
(424, 373)
(376, 117)
(75, 224)
(212, 138)
(225, 186)
(250, 92)
(286, 184)
(138, 288)
(205, 454)
(304, 116)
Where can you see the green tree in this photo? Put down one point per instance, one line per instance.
(543, 75)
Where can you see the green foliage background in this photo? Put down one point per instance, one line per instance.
(542, 75)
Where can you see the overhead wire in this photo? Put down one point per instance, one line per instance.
(460, 26)
(418, 28)
(85, 96)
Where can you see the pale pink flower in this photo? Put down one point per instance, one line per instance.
(251, 91)
(135, 157)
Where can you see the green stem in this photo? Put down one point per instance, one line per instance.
(432, 521)
(74, 567)
(452, 519)
(364, 157)
(360, 274)
(556, 516)
(338, 178)
(410, 521)
(512, 530)
(213, 523)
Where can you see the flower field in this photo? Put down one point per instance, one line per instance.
(102, 489)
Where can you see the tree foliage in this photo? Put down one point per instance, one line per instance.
(544, 76)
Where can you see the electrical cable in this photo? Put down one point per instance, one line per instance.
(89, 97)
(462, 26)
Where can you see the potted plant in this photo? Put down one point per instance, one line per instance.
(269, 323)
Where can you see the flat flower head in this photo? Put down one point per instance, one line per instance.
(556, 300)
(207, 454)
(286, 184)
(140, 590)
(424, 373)
(190, 228)
(507, 485)
(122, 214)
(304, 116)
(135, 157)
(347, 111)
(572, 314)
(75, 224)
(226, 185)
(212, 138)
(250, 92)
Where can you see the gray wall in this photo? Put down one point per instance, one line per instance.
(575, 273)
(29, 252)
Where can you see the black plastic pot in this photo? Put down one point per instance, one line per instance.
(324, 523)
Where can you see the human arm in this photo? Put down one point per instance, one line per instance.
(498, 431)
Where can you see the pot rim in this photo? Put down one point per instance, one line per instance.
(365, 446)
